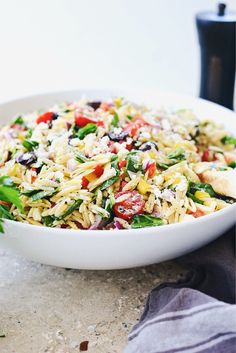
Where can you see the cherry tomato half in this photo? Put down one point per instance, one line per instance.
(122, 164)
(132, 205)
(45, 118)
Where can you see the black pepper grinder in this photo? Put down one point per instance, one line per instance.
(216, 32)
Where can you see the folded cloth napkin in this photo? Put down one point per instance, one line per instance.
(197, 314)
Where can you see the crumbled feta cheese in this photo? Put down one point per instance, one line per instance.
(72, 164)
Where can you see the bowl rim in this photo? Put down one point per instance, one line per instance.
(119, 232)
(118, 90)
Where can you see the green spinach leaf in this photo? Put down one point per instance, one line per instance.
(141, 221)
(19, 121)
(87, 129)
(175, 157)
(109, 182)
(71, 208)
(115, 120)
(42, 194)
(228, 140)
(30, 145)
(232, 164)
(81, 158)
(193, 187)
(133, 163)
(48, 220)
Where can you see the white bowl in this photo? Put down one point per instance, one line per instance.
(103, 249)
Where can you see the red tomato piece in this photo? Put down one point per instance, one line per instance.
(129, 146)
(132, 205)
(112, 147)
(85, 182)
(100, 123)
(45, 118)
(151, 168)
(208, 156)
(81, 120)
(98, 171)
(122, 164)
(205, 156)
(197, 214)
(34, 174)
(133, 127)
(106, 106)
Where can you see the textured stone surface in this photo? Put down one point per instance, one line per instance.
(48, 309)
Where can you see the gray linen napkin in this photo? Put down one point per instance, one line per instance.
(193, 315)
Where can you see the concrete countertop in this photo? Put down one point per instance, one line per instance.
(45, 309)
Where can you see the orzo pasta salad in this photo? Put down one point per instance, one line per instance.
(114, 165)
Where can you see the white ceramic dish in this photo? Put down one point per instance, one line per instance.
(103, 249)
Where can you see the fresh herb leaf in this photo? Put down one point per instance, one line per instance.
(109, 203)
(8, 193)
(193, 187)
(228, 140)
(11, 194)
(133, 163)
(29, 133)
(232, 164)
(30, 145)
(87, 129)
(115, 120)
(30, 192)
(1, 225)
(42, 194)
(48, 220)
(177, 155)
(163, 165)
(129, 117)
(4, 212)
(140, 221)
(75, 129)
(19, 121)
(109, 182)
(81, 158)
(71, 208)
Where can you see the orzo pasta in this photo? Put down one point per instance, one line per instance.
(116, 165)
